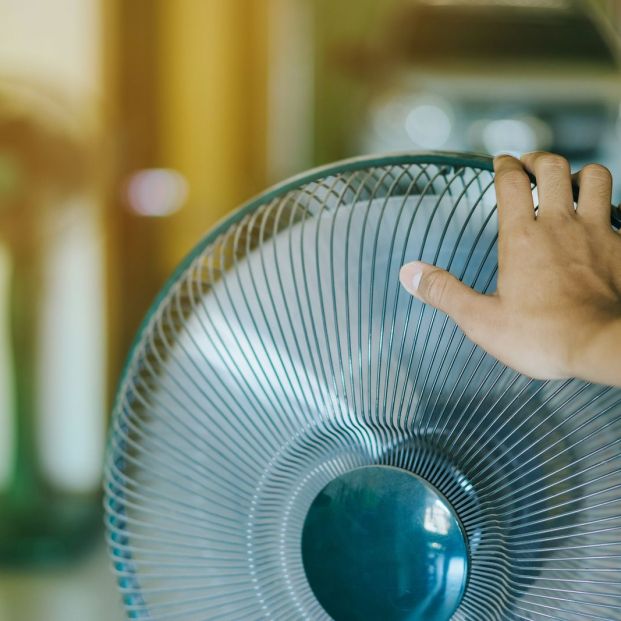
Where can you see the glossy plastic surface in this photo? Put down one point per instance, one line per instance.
(381, 543)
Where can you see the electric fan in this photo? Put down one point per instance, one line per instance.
(295, 437)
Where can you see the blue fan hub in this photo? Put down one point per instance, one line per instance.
(381, 543)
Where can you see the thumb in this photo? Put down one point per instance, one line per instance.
(443, 291)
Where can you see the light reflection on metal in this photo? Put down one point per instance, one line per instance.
(437, 518)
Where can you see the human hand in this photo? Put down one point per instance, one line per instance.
(556, 312)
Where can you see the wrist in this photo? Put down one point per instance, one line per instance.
(598, 358)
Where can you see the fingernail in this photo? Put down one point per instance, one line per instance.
(410, 276)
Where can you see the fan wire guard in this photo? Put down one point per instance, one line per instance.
(283, 353)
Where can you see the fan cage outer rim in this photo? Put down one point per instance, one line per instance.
(457, 160)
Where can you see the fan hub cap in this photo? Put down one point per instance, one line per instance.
(380, 542)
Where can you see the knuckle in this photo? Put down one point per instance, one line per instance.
(522, 233)
(503, 159)
(597, 172)
(435, 286)
(517, 241)
(512, 177)
(552, 162)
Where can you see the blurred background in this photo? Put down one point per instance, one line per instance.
(129, 127)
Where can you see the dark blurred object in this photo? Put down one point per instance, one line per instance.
(52, 368)
(540, 31)
(481, 75)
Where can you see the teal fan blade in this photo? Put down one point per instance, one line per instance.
(295, 437)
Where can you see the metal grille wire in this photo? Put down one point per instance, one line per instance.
(284, 353)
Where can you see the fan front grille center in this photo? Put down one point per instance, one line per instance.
(381, 542)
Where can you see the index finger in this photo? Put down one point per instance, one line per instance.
(513, 192)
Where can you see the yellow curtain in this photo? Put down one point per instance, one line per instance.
(212, 93)
(186, 89)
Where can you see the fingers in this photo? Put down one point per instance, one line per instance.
(554, 187)
(472, 311)
(553, 177)
(513, 192)
(594, 182)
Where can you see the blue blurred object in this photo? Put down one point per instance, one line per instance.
(381, 543)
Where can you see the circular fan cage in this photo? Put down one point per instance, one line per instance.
(283, 354)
